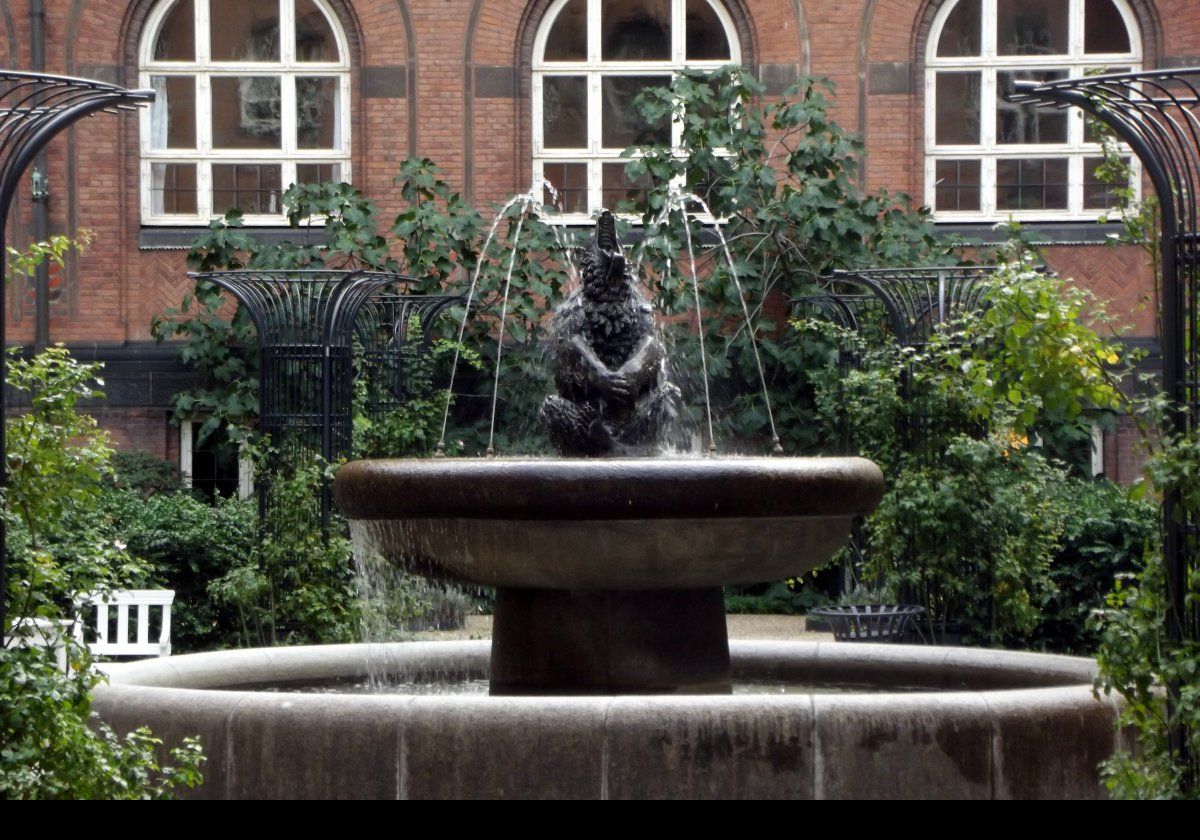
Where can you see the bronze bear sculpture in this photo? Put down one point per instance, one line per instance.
(614, 396)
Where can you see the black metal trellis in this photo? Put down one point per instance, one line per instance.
(920, 300)
(34, 109)
(306, 323)
(387, 342)
(849, 312)
(1157, 113)
(910, 305)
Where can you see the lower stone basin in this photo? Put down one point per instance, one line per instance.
(608, 572)
(1001, 725)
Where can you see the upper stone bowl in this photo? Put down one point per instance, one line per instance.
(608, 524)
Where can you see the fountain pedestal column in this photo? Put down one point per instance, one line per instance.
(573, 641)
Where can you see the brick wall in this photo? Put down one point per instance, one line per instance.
(439, 50)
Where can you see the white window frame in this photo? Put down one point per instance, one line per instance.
(988, 151)
(204, 69)
(187, 436)
(594, 69)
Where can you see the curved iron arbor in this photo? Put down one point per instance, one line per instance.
(385, 344)
(305, 320)
(919, 300)
(1157, 114)
(843, 310)
(34, 109)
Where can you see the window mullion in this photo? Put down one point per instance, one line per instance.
(204, 190)
(593, 33)
(1075, 29)
(1075, 176)
(287, 114)
(202, 41)
(204, 143)
(595, 103)
(595, 184)
(987, 110)
(988, 35)
(987, 190)
(678, 43)
(535, 115)
(287, 33)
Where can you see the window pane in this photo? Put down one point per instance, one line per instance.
(318, 173)
(173, 112)
(176, 39)
(1099, 194)
(961, 33)
(1031, 184)
(957, 108)
(1103, 28)
(1028, 123)
(570, 181)
(621, 193)
(245, 112)
(957, 186)
(250, 187)
(1031, 27)
(315, 40)
(635, 30)
(173, 188)
(622, 124)
(705, 35)
(568, 37)
(564, 112)
(244, 30)
(317, 112)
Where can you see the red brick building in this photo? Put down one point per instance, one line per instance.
(254, 94)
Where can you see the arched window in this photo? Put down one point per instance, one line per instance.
(591, 59)
(989, 159)
(253, 95)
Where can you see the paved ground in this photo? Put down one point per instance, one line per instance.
(740, 627)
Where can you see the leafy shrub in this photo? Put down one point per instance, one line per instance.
(777, 598)
(1106, 533)
(52, 750)
(60, 464)
(783, 177)
(1157, 671)
(187, 543)
(1159, 680)
(972, 536)
(145, 474)
(973, 522)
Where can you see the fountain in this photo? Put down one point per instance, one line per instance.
(610, 669)
(608, 571)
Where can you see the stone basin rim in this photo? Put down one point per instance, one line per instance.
(978, 670)
(599, 489)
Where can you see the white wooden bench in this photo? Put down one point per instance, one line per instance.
(44, 633)
(122, 601)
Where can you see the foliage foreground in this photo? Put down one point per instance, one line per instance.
(50, 746)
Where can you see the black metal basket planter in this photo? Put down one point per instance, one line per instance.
(871, 622)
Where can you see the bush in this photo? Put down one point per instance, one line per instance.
(145, 474)
(53, 750)
(187, 543)
(972, 536)
(1106, 533)
(59, 550)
